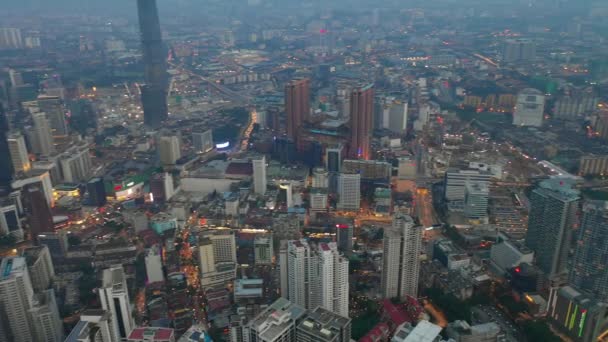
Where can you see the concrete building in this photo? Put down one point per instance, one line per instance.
(461, 331)
(54, 109)
(593, 165)
(361, 122)
(41, 139)
(203, 141)
(518, 50)
(344, 237)
(277, 323)
(75, 164)
(263, 250)
(322, 325)
(217, 258)
(40, 266)
(507, 253)
(424, 331)
(573, 107)
(17, 298)
(154, 265)
(10, 222)
(297, 106)
(10, 38)
(47, 323)
(320, 178)
(591, 255)
(152, 334)
(455, 185)
(94, 326)
(401, 258)
(169, 149)
(579, 316)
(349, 191)
(476, 198)
(333, 158)
(18, 151)
(259, 175)
(398, 117)
(407, 168)
(529, 109)
(553, 210)
(318, 200)
(114, 297)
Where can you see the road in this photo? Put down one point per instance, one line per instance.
(424, 207)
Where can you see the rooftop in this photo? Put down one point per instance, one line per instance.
(151, 334)
(323, 323)
(277, 318)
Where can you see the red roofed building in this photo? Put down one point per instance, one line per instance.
(393, 314)
(239, 170)
(151, 334)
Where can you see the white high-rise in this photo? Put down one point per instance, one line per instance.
(40, 266)
(94, 326)
(169, 149)
(18, 151)
(17, 298)
(114, 297)
(47, 323)
(529, 108)
(75, 164)
(315, 276)
(401, 261)
(349, 191)
(259, 175)
(42, 134)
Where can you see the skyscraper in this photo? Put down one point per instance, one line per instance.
(17, 298)
(6, 164)
(114, 297)
(40, 266)
(46, 320)
(18, 152)
(54, 109)
(401, 264)
(259, 175)
(39, 213)
(553, 208)
(154, 92)
(169, 149)
(43, 143)
(361, 121)
(588, 271)
(349, 191)
(297, 106)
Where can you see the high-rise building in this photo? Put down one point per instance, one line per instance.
(43, 141)
(75, 164)
(114, 297)
(259, 175)
(54, 109)
(10, 222)
(263, 250)
(17, 298)
(456, 181)
(10, 38)
(18, 153)
(46, 320)
(579, 316)
(169, 149)
(154, 265)
(41, 268)
(161, 187)
(476, 198)
(518, 50)
(591, 255)
(401, 258)
(320, 178)
(154, 92)
(315, 275)
(288, 188)
(349, 191)
(344, 237)
(297, 106)
(322, 325)
(529, 109)
(39, 213)
(56, 242)
(333, 158)
(97, 192)
(202, 141)
(318, 200)
(217, 258)
(94, 326)
(553, 210)
(277, 323)
(361, 125)
(6, 164)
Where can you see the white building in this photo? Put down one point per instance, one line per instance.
(37, 177)
(259, 175)
(94, 326)
(263, 250)
(169, 149)
(18, 151)
(507, 253)
(529, 108)
(217, 258)
(318, 200)
(349, 191)
(401, 261)
(10, 222)
(333, 274)
(46, 320)
(424, 331)
(277, 323)
(75, 164)
(154, 265)
(40, 266)
(455, 185)
(42, 140)
(320, 178)
(203, 141)
(17, 298)
(476, 201)
(114, 297)
(287, 186)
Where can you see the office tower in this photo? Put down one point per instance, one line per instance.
(318, 200)
(349, 191)
(154, 92)
(169, 149)
(361, 116)
(398, 117)
(10, 38)
(455, 185)
(315, 276)
(154, 265)
(277, 323)
(518, 50)
(287, 187)
(217, 258)
(94, 326)
(75, 164)
(322, 325)
(202, 141)
(6, 165)
(57, 243)
(43, 141)
(529, 109)
(591, 255)
(401, 264)
(46, 320)
(297, 106)
(553, 210)
(344, 237)
(53, 107)
(476, 197)
(263, 249)
(18, 153)
(161, 187)
(41, 268)
(259, 175)
(17, 298)
(10, 222)
(320, 178)
(333, 158)
(97, 192)
(114, 297)
(39, 214)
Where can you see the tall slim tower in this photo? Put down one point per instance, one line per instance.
(114, 297)
(553, 208)
(361, 121)
(297, 106)
(17, 297)
(259, 175)
(6, 165)
(401, 264)
(154, 92)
